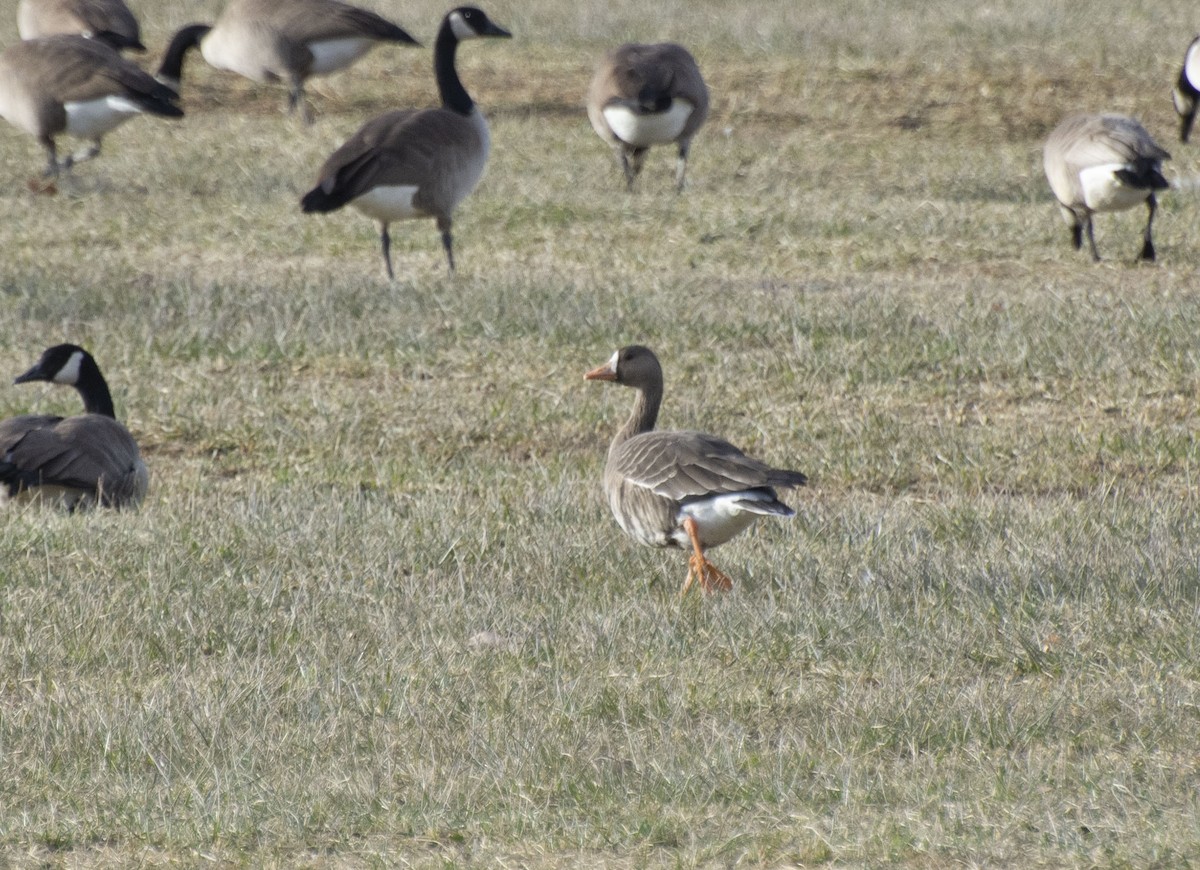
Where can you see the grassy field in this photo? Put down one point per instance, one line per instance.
(375, 612)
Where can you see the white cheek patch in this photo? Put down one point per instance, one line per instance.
(69, 373)
(460, 28)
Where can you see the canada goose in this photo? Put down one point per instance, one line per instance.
(76, 86)
(681, 489)
(415, 163)
(282, 40)
(643, 95)
(1103, 163)
(81, 460)
(110, 21)
(1187, 89)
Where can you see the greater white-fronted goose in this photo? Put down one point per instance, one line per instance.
(80, 461)
(643, 95)
(110, 21)
(415, 163)
(681, 489)
(1098, 163)
(1187, 89)
(282, 41)
(75, 86)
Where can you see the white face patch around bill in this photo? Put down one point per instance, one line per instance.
(460, 28)
(69, 373)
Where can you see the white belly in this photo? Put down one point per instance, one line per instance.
(93, 118)
(387, 204)
(335, 54)
(644, 130)
(1191, 64)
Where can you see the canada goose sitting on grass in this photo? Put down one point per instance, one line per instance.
(415, 163)
(681, 489)
(83, 460)
(110, 21)
(1187, 89)
(75, 86)
(1098, 163)
(282, 41)
(643, 95)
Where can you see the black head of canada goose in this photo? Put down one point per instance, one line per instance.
(109, 21)
(75, 86)
(79, 461)
(681, 489)
(643, 95)
(1098, 163)
(282, 41)
(1187, 89)
(415, 163)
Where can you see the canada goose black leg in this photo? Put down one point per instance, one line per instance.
(385, 243)
(1091, 237)
(443, 224)
(298, 104)
(1147, 242)
(711, 578)
(681, 167)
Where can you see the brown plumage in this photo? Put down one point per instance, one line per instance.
(1098, 163)
(75, 86)
(110, 21)
(79, 461)
(681, 489)
(644, 95)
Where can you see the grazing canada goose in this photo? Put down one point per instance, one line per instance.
(77, 86)
(1187, 89)
(110, 21)
(643, 95)
(681, 489)
(1103, 163)
(83, 460)
(415, 163)
(282, 41)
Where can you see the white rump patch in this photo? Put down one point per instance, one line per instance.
(331, 55)
(642, 130)
(389, 203)
(1191, 64)
(89, 119)
(1103, 191)
(69, 373)
(718, 517)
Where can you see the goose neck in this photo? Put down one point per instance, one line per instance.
(93, 389)
(644, 416)
(454, 95)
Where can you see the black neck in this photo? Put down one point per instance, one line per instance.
(454, 95)
(186, 39)
(93, 389)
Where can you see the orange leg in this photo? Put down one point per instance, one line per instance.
(712, 579)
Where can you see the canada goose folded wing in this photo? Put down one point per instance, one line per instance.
(110, 21)
(89, 452)
(405, 147)
(683, 464)
(307, 21)
(70, 69)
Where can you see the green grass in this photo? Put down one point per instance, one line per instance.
(374, 611)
